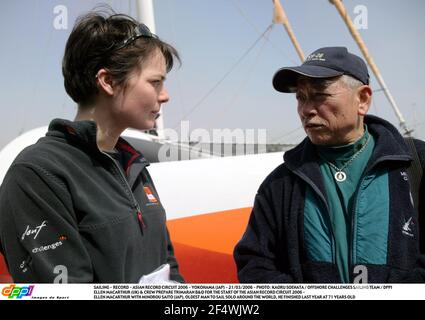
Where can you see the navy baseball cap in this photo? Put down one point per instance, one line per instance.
(325, 62)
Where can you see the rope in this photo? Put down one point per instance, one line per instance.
(243, 84)
(286, 134)
(252, 24)
(224, 77)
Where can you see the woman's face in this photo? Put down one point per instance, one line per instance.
(137, 106)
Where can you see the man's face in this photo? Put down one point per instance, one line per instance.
(330, 113)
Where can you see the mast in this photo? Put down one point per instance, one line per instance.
(356, 35)
(145, 14)
(279, 16)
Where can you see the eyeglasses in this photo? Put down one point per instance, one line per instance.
(140, 31)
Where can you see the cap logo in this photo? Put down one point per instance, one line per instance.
(316, 57)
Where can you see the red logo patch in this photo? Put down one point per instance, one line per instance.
(150, 195)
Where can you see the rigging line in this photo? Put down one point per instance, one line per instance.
(243, 84)
(379, 90)
(192, 148)
(178, 97)
(375, 106)
(286, 134)
(109, 3)
(296, 139)
(242, 13)
(419, 124)
(252, 24)
(224, 77)
(41, 65)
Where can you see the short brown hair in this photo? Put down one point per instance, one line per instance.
(90, 47)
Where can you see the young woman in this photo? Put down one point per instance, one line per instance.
(81, 201)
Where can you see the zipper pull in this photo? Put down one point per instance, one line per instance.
(140, 218)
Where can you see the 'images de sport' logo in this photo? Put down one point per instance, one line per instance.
(14, 291)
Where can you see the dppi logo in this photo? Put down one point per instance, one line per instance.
(13, 291)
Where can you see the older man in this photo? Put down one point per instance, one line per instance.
(339, 208)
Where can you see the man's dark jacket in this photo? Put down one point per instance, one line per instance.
(272, 250)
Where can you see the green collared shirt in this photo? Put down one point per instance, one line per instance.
(341, 195)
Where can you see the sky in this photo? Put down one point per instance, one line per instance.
(224, 80)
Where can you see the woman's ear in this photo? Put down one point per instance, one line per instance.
(105, 82)
(364, 95)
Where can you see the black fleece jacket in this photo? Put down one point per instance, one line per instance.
(272, 248)
(65, 203)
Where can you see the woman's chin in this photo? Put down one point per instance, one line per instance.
(147, 125)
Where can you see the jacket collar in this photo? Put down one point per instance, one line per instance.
(389, 145)
(84, 133)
